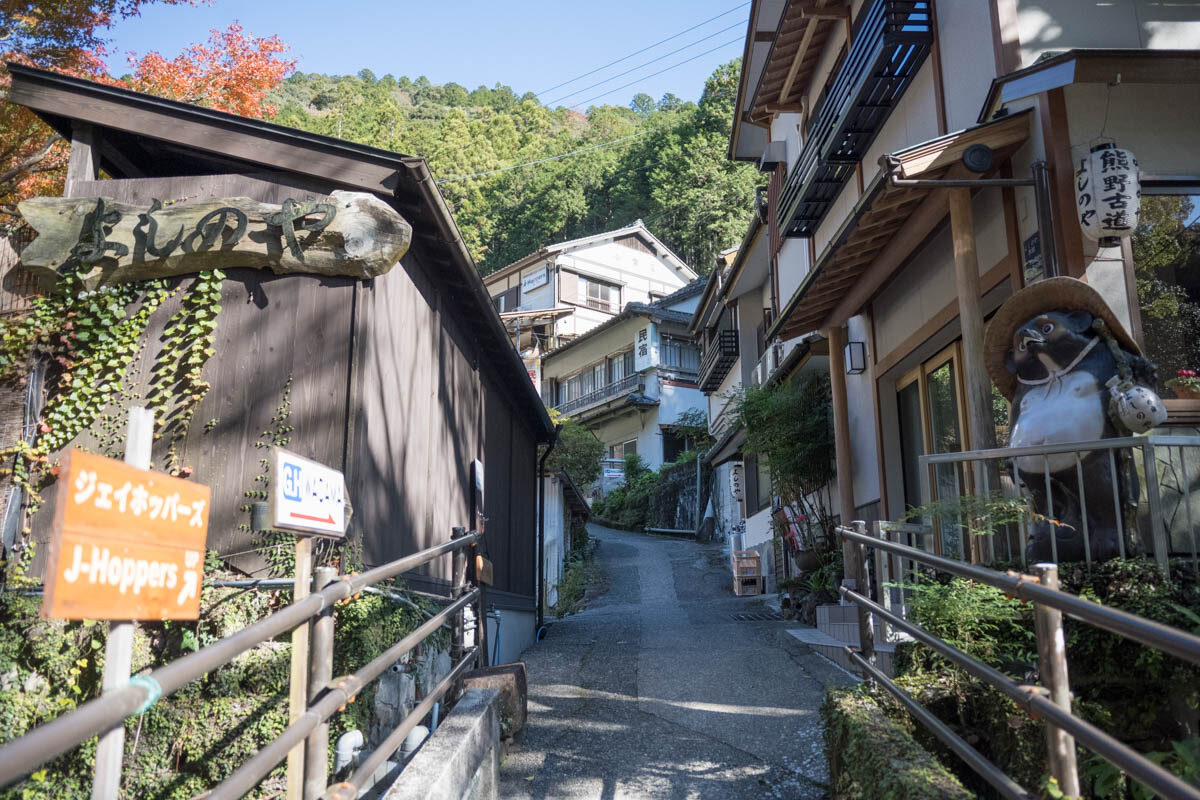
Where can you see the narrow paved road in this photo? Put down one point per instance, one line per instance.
(656, 691)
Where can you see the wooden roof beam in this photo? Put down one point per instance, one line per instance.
(798, 59)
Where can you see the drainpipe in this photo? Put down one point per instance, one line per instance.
(541, 535)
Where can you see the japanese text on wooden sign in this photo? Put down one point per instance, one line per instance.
(127, 543)
(307, 496)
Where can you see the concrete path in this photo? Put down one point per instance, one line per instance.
(655, 691)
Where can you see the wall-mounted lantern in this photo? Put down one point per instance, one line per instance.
(856, 358)
(1108, 194)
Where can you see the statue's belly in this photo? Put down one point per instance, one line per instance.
(1068, 410)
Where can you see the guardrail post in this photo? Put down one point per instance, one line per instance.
(1052, 667)
(458, 589)
(320, 673)
(866, 620)
(481, 637)
(1158, 525)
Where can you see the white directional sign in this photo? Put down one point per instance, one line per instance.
(307, 496)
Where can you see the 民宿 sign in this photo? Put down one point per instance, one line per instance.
(127, 543)
(307, 496)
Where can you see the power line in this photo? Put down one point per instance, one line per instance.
(652, 74)
(544, 160)
(644, 49)
(644, 64)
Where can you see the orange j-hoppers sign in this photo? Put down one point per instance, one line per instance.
(127, 543)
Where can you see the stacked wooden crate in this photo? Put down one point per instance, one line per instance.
(747, 573)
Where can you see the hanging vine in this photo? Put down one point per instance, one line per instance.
(177, 384)
(91, 342)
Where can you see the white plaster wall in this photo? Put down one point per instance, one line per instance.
(721, 397)
(968, 58)
(1105, 273)
(687, 305)
(786, 127)
(1047, 25)
(913, 121)
(639, 272)
(839, 210)
(580, 321)
(674, 400)
(927, 284)
(860, 405)
(758, 530)
(553, 543)
(650, 445)
(1159, 123)
(614, 340)
(793, 266)
(727, 511)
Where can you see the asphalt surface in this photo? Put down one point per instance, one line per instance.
(656, 691)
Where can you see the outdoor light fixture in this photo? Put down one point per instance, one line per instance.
(856, 358)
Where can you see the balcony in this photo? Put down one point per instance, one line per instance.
(891, 40)
(630, 384)
(719, 355)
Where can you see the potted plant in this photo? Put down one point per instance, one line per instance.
(1186, 384)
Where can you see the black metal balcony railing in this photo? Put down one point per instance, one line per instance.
(719, 355)
(891, 40)
(627, 385)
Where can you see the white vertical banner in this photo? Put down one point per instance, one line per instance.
(645, 347)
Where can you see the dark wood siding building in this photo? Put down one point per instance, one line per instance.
(401, 381)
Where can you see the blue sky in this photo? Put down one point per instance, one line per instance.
(530, 45)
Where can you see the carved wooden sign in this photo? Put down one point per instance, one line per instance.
(354, 234)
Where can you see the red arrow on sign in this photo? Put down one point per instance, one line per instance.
(328, 521)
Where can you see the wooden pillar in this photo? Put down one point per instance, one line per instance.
(84, 159)
(841, 434)
(970, 315)
(980, 424)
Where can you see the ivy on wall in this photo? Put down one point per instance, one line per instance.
(90, 343)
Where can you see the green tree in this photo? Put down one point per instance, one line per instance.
(577, 451)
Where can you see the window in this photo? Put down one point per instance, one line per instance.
(620, 366)
(673, 445)
(1166, 269)
(602, 296)
(507, 301)
(623, 449)
(679, 354)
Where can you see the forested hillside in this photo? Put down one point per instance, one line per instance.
(663, 162)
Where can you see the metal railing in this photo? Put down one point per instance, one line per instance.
(891, 40)
(1051, 701)
(1155, 472)
(627, 385)
(327, 695)
(719, 354)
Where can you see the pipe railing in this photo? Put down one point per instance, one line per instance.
(22, 756)
(1050, 702)
(1036, 468)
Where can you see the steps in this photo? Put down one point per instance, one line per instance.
(837, 626)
